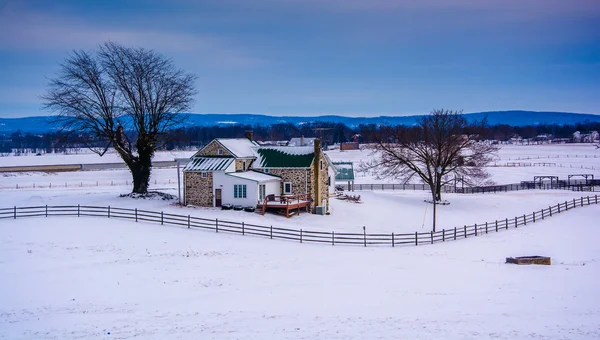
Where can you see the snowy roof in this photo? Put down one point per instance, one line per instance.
(208, 163)
(284, 157)
(254, 176)
(345, 171)
(297, 141)
(239, 147)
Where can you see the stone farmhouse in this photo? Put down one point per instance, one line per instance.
(241, 172)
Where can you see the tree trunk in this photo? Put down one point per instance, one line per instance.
(141, 176)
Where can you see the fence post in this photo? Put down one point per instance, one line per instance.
(108, 211)
(416, 238)
(550, 209)
(525, 219)
(496, 225)
(596, 197)
(393, 240)
(475, 229)
(46, 210)
(534, 217)
(365, 235)
(443, 235)
(432, 237)
(271, 232)
(300, 235)
(465, 231)
(588, 199)
(136, 214)
(574, 203)
(333, 238)
(243, 232)
(188, 221)
(217, 227)
(506, 224)
(78, 210)
(516, 222)
(582, 201)
(161, 218)
(454, 233)
(486, 227)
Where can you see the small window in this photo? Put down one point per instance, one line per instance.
(329, 181)
(287, 187)
(239, 191)
(204, 175)
(220, 152)
(321, 165)
(243, 165)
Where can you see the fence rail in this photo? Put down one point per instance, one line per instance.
(298, 235)
(81, 184)
(574, 185)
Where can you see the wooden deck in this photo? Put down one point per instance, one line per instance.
(286, 205)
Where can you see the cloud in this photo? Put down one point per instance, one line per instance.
(26, 30)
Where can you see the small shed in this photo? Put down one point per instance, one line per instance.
(345, 173)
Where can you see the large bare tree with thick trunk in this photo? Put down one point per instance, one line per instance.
(129, 97)
(441, 147)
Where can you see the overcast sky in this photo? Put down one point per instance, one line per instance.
(309, 57)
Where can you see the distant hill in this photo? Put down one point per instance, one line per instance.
(40, 124)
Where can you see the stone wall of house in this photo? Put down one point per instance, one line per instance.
(198, 190)
(211, 149)
(323, 187)
(296, 176)
(239, 164)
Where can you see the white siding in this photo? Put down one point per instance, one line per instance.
(226, 184)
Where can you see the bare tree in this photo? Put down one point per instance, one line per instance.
(129, 97)
(436, 150)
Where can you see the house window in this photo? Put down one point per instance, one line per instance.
(220, 152)
(239, 191)
(321, 165)
(204, 175)
(329, 181)
(287, 187)
(262, 190)
(243, 165)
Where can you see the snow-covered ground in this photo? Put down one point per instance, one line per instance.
(564, 160)
(81, 278)
(528, 160)
(84, 278)
(83, 157)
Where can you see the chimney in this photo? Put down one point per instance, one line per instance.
(317, 173)
(249, 134)
(302, 141)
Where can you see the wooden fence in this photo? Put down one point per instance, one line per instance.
(299, 235)
(575, 185)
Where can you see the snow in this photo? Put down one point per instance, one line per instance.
(292, 150)
(70, 278)
(555, 160)
(240, 147)
(81, 278)
(86, 157)
(254, 176)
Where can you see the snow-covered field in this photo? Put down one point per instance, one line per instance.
(563, 160)
(70, 278)
(83, 278)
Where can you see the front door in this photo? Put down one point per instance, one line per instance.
(217, 197)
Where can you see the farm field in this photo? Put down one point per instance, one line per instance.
(80, 278)
(70, 278)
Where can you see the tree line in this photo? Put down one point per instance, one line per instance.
(198, 136)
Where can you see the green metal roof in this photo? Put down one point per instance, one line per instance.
(345, 171)
(284, 157)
